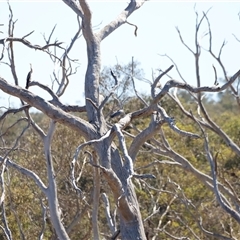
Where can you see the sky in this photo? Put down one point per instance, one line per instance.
(156, 36)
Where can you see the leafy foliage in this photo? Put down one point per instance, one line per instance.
(176, 197)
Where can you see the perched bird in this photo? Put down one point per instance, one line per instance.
(29, 76)
(119, 112)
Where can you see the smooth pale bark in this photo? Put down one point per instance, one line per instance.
(52, 188)
(112, 165)
(131, 223)
(96, 196)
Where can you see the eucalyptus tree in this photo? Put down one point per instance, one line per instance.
(117, 172)
(105, 142)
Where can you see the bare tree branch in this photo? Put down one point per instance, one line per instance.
(26, 172)
(96, 197)
(110, 221)
(121, 19)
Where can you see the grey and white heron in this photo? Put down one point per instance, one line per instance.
(29, 77)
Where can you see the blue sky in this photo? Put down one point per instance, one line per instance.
(156, 21)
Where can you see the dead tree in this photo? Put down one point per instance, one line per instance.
(109, 153)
